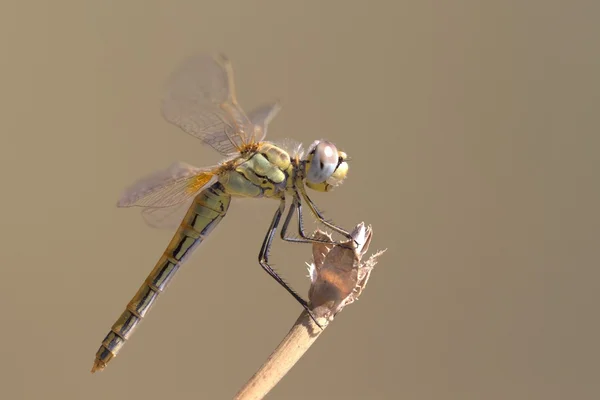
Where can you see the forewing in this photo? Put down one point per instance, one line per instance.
(173, 185)
(262, 116)
(200, 98)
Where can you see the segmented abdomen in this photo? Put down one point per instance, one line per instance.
(205, 213)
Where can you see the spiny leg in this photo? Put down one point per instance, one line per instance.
(263, 259)
(297, 206)
(320, 218)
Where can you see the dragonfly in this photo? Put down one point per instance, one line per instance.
(200, 99)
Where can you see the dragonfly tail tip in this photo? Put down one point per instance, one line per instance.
(98, 366)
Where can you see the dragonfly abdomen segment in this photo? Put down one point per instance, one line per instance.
(205, 213)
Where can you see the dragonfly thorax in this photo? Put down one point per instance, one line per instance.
(265, 172)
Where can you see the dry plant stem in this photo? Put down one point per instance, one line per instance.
(338, 277)
(298, 340)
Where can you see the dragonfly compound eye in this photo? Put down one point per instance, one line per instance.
(323, 162)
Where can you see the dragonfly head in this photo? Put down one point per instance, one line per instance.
(325, 166)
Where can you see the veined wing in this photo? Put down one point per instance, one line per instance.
(262, 116)
(200, 98)
(169, 187)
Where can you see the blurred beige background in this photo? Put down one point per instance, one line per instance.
(474, 135)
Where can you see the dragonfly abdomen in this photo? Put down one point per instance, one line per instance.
(205, 213)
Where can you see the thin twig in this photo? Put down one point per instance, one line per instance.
(289, 351)
(338, 277)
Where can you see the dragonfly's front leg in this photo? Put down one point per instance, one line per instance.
(319, 216)
(297, 206)
(263, 259)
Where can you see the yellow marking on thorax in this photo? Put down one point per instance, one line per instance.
(262, 170)
(276, 155)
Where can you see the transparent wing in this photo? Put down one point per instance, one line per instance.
(173, 185)
(200, 98)
(166, 217)
(262, 116)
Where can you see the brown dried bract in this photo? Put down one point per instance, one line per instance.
(338, 274)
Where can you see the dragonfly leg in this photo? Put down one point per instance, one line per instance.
(313, 208)
(263, 259)
(297, 206)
